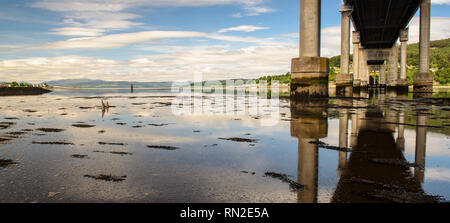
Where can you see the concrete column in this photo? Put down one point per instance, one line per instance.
(423, 81)
(424, 38)
(310, 28)
(382, 74)
(401, 131)
(363, 68)
(403, 81)
(345, 78)
(307, 170)
(309, 72)
(421, 142)
(393, 67)
(356, 41)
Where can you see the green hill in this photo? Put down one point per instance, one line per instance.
(439, 61)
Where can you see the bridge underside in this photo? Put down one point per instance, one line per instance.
(380, 21)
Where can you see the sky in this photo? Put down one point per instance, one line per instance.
(164, 40)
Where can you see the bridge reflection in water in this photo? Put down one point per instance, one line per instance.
(375, 166)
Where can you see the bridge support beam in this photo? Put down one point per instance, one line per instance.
(382, 70)
(344, 80)
(402, 84)
(309, 72)
(423, 81)
(363, 68)
(356, 40)
(393, 67)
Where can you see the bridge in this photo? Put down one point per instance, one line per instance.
(376, 136)
(378, 24)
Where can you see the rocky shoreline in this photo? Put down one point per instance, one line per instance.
(22, 91)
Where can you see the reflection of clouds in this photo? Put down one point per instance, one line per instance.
(222, 122)
(437, 144)
(333, 132)
(325, 194)
(437, 174)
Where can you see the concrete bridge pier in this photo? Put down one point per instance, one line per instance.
(344, 80)
(402, 84)
(393, 68)
(423, 81)
(382, 70)
(363, 68)
(356, 40)
(310, 72)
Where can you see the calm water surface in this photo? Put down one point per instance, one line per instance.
(359, 149)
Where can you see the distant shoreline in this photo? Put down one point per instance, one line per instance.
(90, 88)
(331, 85)
(22, 91)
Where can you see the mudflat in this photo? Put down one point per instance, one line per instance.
(22, 91)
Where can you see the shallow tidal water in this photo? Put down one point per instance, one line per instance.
(61, 147)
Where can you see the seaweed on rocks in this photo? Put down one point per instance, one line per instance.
(294, 186)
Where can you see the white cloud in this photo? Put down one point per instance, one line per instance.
(125, 39)
(437, 174)
(331, 36)
(167, 63)
(243, 28)
(117, 40)
(217, 62)
(330, 40)
(257, 10)
(76, 31)
(441, 2)
(109, 14)
(41, 69)
(440, 29)
(119, 5)
(237, 15)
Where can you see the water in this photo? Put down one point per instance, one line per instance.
(195, 165)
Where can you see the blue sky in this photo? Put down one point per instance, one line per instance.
(156, 40)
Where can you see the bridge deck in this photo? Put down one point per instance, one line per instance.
(380, 21)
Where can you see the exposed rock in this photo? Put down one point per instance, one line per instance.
(294, 186)
(50, 130)
(236, 139)
(163, 147)
(107, 177)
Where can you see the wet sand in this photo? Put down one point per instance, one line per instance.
(62, 144)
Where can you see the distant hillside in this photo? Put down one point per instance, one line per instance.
(87, 83)
(439, 61)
